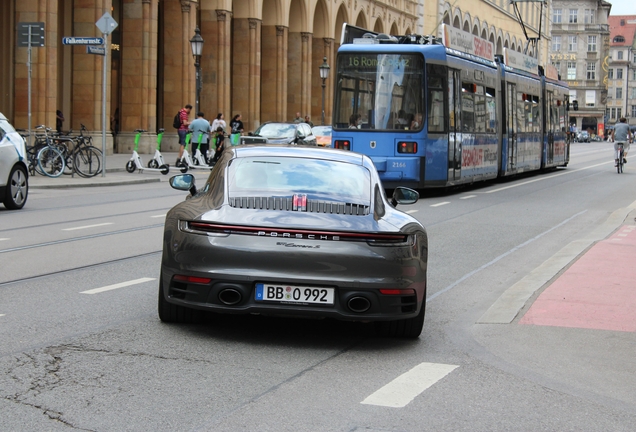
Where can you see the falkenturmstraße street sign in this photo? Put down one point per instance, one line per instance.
(82, 41)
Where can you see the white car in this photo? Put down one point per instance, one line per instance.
(14, 180)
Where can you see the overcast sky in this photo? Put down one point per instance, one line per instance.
(622, 7)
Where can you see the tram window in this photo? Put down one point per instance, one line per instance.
(480, 112)
(535, 117)
(522, 113)
(435, 101)
(468, 108)
(491, 110)
(379, 86)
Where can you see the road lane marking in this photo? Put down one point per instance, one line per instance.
(503, 255)
(1, 315)
(116, 286)
(440, 204)
(411, 211)
(158, 216)
(544, 178)
(3, 239)
(402, 390)
(468, 197)
(87, 226)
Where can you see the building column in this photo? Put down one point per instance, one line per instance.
(7, 58)
(246, 65)
(43, 67)
(177, 66)
(215, 61)
(224, 65)
(294, 75)
(329, 50)
(281, 72)
(139, 74)
(306, 71)
(274, 73)
(188, 15)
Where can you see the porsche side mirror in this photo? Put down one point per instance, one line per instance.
(404, 196)
(183, 182)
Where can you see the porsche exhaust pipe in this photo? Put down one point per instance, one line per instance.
(358, 304)
(230, 296)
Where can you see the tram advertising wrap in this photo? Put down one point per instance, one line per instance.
(434, 115)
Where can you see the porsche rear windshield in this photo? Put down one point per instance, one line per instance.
(276, 176)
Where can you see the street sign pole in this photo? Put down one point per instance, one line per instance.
(105, 61)
(29, 85)
(30, 34)
(106, 24)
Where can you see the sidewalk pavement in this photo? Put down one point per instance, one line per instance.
(116, 174)
(590, 283)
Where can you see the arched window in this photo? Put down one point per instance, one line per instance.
(619, 39)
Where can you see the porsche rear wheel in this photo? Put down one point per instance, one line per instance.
(409, 328)
(172, 313)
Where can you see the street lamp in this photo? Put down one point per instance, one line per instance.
(196, 43)
(324, 74)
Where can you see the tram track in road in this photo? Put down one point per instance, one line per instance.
(79, 268)
(80, 238)
(162, 210)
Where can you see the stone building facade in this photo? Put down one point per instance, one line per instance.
(621, 93)
(260, 57)
(580, 51)
(497, 22)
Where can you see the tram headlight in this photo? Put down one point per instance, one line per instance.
(407, 147)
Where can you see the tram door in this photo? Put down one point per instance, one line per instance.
(550, 126)
(454, 131)
(511, 111)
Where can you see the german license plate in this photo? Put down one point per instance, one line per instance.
(294, 294)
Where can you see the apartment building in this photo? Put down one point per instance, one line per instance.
(621, 78)
(580, 50)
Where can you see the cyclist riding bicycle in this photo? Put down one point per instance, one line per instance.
(621, 135)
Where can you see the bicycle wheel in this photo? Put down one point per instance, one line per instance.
(51, 162)
(87, 162)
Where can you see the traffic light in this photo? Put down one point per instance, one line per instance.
(575, 105)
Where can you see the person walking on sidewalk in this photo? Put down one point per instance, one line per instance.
(237, 129)
(621, 135)
(219, 121)
(220, 145)
(184, 114)
(201, 126)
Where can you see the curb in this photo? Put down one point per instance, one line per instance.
(93, 183)
(514, 299)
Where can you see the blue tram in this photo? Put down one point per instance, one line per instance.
(435, 115)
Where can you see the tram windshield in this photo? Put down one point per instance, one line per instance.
(379, 91)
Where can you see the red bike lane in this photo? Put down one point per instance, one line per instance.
(598, 291)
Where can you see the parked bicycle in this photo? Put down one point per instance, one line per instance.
(50, 160)
(80, 154)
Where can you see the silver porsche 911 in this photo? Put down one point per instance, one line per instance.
(298, 231)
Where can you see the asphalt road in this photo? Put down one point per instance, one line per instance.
(81, 346)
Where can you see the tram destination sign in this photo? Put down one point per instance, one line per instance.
(82, 41)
